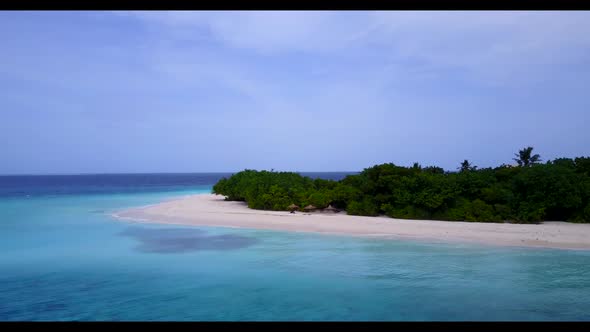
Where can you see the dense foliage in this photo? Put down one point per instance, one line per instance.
(528, 193)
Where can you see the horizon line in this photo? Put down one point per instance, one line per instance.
(141, 173)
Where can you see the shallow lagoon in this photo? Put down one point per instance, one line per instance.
(64, 258)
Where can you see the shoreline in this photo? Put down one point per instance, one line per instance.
(213, 211)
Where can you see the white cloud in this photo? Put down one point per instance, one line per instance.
(491, 45)
(267, 32)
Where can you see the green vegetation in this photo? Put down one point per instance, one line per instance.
(527, 193)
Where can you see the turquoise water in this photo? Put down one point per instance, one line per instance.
(64, 258)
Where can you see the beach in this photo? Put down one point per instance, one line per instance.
(213, 210)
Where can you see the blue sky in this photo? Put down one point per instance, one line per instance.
(103, 92)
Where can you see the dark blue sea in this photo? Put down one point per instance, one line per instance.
(63, 257)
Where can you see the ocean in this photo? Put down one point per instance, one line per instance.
(63, 258)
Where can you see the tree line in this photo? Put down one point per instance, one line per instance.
(530, 192)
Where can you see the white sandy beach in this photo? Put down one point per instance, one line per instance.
(212, 210)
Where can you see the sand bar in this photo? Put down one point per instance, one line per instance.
(212, 210)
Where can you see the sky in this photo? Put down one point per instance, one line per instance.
(189, 91)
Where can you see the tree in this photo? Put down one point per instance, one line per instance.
(467, 166)
(558, 190)
(434, 170)
(525, 157)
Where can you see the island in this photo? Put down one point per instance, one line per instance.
(527, 204)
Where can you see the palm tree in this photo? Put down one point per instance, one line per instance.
(524, 157)
(466, 166)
